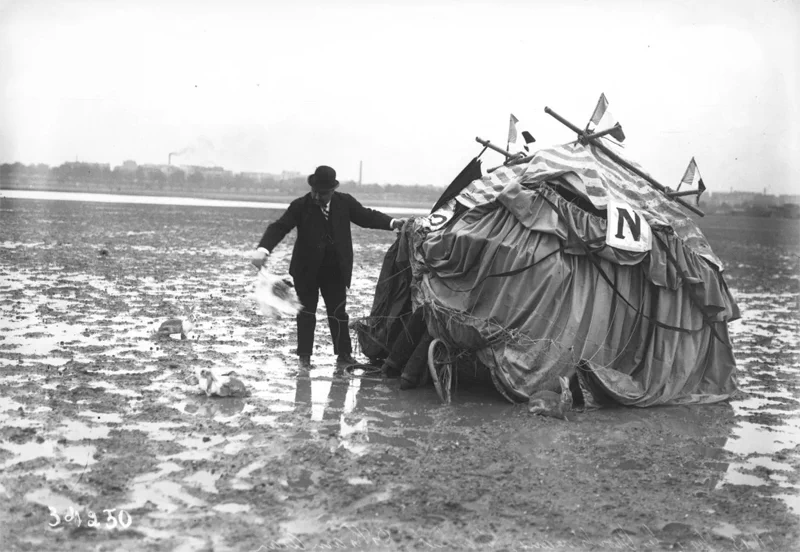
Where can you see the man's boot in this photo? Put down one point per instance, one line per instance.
(345, 359)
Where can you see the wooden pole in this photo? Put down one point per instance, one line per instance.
(488, 144)
(652, 181)
(684, 193)
(599, 134)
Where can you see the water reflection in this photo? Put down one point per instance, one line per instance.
(331, 398)
(217, 407)
(767, 434)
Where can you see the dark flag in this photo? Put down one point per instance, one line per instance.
(469, 173)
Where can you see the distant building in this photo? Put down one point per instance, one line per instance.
(89, 167)
(742, 198)
(128, 165)
(216, 171)
(291, 175)
(258, 176)
(165, 169)
(207, 172)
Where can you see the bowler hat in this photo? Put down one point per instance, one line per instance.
(324, 178)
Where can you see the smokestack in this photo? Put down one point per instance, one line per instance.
(169, 159)
(360, 166)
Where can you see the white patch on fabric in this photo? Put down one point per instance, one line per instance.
(440, 217)
(627, 229)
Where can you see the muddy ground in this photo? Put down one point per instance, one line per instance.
(100, 417)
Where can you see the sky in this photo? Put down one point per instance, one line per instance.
(401, 88)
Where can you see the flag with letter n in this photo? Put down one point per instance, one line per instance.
(627, 229)
(602, 119)
(693, 180)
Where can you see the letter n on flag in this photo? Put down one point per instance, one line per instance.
(626, 228)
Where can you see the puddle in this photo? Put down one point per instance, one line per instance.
(164, 468)
(165, 496)
(157, 431)
(197, 448)
(7, 403)
(768, 463)
(203, 480)
(232, 508)
(770, 395)
(73, 430)
(792, 500)
(236, 444)
(375, 497)
(81, 455)
(102, 417)
(735, 477)
(306, 523)
(112, 389)
(359, 481)
(48, 498)
(27, 451)
(217, 408)
(103, 319)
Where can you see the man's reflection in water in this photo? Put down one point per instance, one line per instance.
(302, 392)
(332, 401)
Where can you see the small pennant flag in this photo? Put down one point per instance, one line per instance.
(512, 129)
(693, 179)
(529, 139)
(603, 119)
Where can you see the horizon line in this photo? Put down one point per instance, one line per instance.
(300, 174)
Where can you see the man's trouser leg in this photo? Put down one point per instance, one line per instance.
(334, 293)
(308, 294)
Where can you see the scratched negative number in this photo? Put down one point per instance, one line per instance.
(122, 520)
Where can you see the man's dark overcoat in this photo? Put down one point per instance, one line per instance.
(312, 231)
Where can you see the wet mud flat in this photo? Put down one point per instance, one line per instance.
(101, 420)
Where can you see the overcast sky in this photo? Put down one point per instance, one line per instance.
(404, 86)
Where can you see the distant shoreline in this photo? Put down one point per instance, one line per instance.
(164, 199)
(282, 199)
(389, 202)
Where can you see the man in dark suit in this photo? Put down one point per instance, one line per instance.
(322, 259)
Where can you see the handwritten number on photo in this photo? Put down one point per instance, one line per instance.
(122, 520)
(54, 513)
(111, 521)
(127, 523)
(73, 515)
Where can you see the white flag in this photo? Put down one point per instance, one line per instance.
(602, 119)
(512, 130)
(693, 179)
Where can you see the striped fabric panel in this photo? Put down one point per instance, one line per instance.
(600, 179)
(486, 189)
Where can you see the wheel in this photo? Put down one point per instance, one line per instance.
(440, 366)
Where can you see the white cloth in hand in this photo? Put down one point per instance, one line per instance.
(275, 296)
